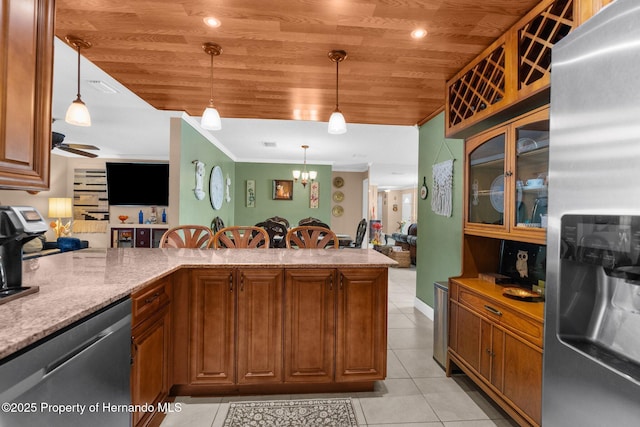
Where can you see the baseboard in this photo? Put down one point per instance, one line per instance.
(423, 308)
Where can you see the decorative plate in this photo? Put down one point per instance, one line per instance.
(338, 181)
(216, 188)
(521, 294)
(525, 144)
(337, 210)
(496, 194)
(338, 196)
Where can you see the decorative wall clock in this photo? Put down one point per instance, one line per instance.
(216, 188)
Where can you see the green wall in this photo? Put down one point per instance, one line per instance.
(439, 252)
(194, 146)
(293, 210)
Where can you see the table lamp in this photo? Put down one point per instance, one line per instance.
(60, 207)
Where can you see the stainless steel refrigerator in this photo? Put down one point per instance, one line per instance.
(591, 374)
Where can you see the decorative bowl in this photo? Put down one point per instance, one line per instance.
(123, 218)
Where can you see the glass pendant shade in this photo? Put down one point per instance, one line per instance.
(296, 175)
(78, 114)
(337, 124)
(211, 119)
(313, 175)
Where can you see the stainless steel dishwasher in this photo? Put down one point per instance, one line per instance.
(440, 321)
(78, 377)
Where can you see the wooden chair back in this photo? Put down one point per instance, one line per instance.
(187, 236)
(311, 237)
(217, 224)
(279, 219)
(312, 221)
(241, 237)
(277, 233)
(360, 232)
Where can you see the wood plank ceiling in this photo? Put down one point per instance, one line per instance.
(274, 63)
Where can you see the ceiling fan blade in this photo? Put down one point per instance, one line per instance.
(78, 152)
(81, 146)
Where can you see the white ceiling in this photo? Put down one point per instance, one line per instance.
(126, 127)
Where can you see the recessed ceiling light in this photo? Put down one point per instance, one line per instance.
(212, 22)
(418, 33)
(269, 144)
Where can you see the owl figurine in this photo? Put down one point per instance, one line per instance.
(521, 264)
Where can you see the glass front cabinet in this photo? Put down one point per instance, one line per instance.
(506, 180)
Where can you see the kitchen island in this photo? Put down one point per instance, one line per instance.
(228, 321)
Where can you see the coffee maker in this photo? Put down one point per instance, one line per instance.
(18, 225)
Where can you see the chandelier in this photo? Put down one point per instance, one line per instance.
(304, 176)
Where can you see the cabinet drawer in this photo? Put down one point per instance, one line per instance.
(148, 300)
(502, 315)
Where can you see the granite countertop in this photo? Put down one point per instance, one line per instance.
(75, 284)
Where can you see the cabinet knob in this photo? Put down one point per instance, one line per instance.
(508, 173)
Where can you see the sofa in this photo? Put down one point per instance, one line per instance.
(408, 241)
(40, 247)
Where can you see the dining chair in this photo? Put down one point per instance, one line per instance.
(277, 233)
(217, 224)
(187, 236)
(281, 220)
(240, 237)
(360, 232)
(311, 237)
(313, 222)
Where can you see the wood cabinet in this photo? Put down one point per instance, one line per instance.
(335, 320)
(236, 326)
(361, 336)
(25, 95)
(213, 313)
(259, 326)
(506, 179)
(309, 325)
(150, 353)
(497, 342)
(273, 330)
(512, 75)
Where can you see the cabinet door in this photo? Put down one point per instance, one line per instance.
(260, 326)
(309, 325)
(25, 98)
(485, 201)
(150, 363)
(491, 353)
(212, 327)
(468, 337)
(143, 238)
(361, 352)
(529, 206)
(523, 376)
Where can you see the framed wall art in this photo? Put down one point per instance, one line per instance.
(251, 193)
(314, 195)
(282, 189)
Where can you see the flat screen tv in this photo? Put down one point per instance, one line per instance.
(138, 184)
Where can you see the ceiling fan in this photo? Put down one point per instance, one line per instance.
(57, 139)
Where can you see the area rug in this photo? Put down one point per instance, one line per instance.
(281, 413)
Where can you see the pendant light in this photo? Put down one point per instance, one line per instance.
(211, 118)
(337, 124)
(78, 113)
(304, 176)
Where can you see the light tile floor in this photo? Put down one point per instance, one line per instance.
(416, 392)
